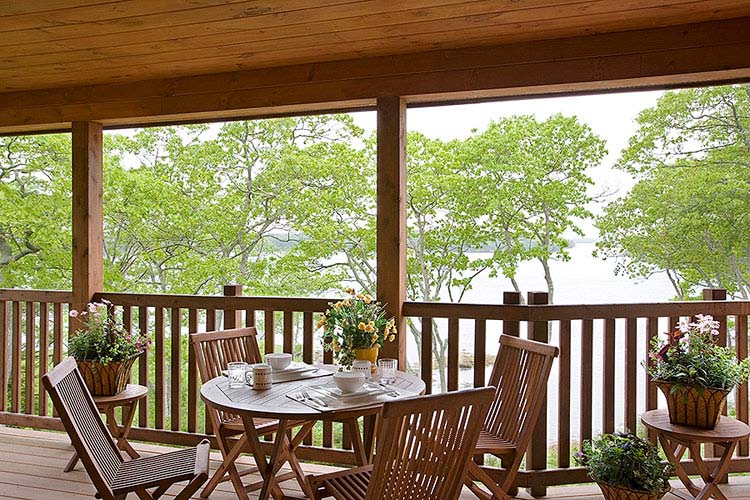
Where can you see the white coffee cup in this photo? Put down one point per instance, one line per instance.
(364, 366)
(262, 376)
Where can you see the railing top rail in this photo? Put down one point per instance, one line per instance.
(217, 302)
(53, 296)
(553, 312)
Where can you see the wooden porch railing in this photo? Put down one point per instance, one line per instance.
(601, 349)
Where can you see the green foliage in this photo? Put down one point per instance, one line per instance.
(691, 357)
(103, 338)
(624, 459)
(689, 212)
(356, 322)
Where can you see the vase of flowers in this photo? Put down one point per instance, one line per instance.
(355, 328)
(626, 467)
(695, 374)
(104, 350)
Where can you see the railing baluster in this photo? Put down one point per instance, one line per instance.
(453, 354)
(250, 317)
(608, 388)
(307, 352)
(3, 355)
(563, 397)
(289, 332)
(652, 331)
(480, 352)
(175, 365)
(143, 368)
(43, 353)
(536, 456)
(269, 334)
(30, 354)
(426, 361)
(159, 379)
(15, 361)
(192, 406)
(741, 393)
(210, 327)
(587, 374)
(631, 373)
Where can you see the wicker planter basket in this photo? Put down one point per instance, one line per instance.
(106, 379)
(611, 492)
(692, 407)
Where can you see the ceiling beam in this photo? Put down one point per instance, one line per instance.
(703, 53)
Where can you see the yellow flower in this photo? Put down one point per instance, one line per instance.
(368, 328)
(336, 346)
(360, 296)
(346, 302)
(328, 312)
(361, 326)
(391, 338)
(368, 299)
(374, 337)
(337, 305)
(350, 290)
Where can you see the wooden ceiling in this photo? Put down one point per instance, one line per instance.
(65, 43)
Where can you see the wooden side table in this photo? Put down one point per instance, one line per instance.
(127, 399)
(677, 439)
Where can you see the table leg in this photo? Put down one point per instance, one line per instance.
(227, 466)
(674, 453)
(368, 431)
(128, 415)
(360, 454)
(270, 486)
(712, 477)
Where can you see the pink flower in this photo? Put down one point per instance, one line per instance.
(73, 313)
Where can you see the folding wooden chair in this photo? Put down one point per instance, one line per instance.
(423, 447)
(213, 351)
(520, 373)
(112, 476)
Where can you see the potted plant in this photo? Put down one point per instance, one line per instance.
(356, 328)
(104, 350)
(625, 467)
(694, 373)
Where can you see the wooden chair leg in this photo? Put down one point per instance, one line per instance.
(191, 488)
(476, 473)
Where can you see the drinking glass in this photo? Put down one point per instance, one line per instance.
(387, 369)
(236, 373)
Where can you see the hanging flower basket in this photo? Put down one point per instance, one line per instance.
(106, 379)
(611, 492)
(692, 406)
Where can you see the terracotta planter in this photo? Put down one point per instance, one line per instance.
(693, 407)
(611, 492)
(370, 354)
(106, 379)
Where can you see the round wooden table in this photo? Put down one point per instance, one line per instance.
(127, 399)
(677, 439)
(277, 403)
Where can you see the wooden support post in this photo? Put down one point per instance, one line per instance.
(232, 318)
(88, 233)
(536, 457)
(391, 218)
(717, 294)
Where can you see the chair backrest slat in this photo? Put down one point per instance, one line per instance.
(214, 350)
(83, 423)
(520, 373)
(425, 443)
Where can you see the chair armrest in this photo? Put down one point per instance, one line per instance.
(202, 455)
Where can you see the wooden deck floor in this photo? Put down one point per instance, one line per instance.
(31, 468)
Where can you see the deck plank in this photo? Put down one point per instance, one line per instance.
(48, 452)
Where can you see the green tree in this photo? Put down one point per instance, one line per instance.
(687, 215)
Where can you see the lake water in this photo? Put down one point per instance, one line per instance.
(583, 279)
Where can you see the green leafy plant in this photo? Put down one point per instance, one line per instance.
(691, 357)
(625, 460)
(102, 338)
(357, 322)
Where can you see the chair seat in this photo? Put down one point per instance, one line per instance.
(151, 471)
(346, 485)
(489, 443)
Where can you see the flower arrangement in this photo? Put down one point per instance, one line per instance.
(103, 339)
(624, 460)
(690, 357)
(356, 322)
